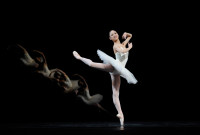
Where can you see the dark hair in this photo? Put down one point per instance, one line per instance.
(110, 31)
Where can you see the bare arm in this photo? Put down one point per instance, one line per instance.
(122, 50)
(127, 37)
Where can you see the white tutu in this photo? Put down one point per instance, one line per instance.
(119, 65)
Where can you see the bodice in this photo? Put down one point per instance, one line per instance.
(122, 57)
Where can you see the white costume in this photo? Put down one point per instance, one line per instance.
(118, 64)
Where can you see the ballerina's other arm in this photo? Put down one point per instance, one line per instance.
(127, 37)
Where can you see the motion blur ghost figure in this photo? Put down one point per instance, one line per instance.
(39, 64)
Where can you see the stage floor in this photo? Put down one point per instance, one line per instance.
(134, 128)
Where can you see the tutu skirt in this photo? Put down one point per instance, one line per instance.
(119, 68)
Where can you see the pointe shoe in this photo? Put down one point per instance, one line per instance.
(121, 118)
(76, 55)
(121, 121)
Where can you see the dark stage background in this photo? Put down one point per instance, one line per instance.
(163, 59)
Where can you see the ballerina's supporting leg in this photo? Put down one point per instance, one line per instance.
(100, 66)
(115, 87)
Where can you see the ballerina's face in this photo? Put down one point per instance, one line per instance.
(113, 35)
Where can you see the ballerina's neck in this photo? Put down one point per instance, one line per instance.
(117, 42)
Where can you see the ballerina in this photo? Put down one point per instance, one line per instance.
(116, 67)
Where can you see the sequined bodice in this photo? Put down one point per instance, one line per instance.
(122, 57)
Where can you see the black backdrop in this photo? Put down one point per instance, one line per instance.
(162, 59)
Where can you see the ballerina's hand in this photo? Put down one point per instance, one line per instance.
(124, 36)
(130, 45)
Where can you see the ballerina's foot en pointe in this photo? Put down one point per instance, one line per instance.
(121, 118)
(76, 55)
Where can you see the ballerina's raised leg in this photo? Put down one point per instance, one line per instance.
(100, 66)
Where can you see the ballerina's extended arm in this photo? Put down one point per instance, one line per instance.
(127, 37)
